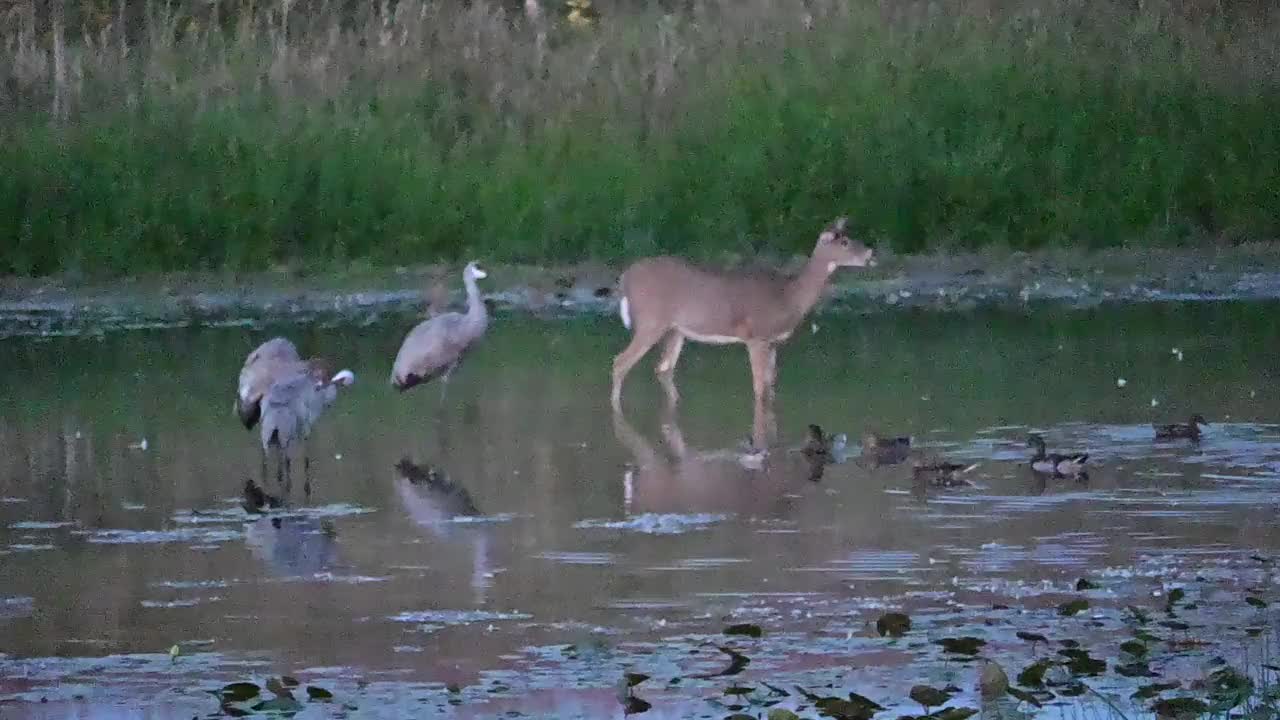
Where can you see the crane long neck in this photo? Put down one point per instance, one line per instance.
(475, 306)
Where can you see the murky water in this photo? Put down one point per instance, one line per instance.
(564, 549)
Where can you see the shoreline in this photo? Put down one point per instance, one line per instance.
(936, 282)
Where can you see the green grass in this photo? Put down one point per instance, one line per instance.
(727, 129)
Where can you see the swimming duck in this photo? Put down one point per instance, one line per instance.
(940, 473)
(885, 450)
(255, 498)
(1189, 430)
(1053, 463)
(819, 445)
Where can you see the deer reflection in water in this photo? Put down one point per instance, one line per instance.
(680, 479)
(434, 502)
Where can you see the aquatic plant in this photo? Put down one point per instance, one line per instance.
(189, 135)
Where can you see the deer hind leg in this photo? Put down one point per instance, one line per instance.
(762, 357)
(641, 342)
(666, 367)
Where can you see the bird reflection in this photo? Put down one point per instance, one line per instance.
(433, 501)
(293, 545)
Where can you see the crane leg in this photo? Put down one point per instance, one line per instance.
(288, 473)
(306, 469)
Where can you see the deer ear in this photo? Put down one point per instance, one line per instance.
(826, 237)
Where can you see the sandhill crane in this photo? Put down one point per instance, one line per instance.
(268, 362)
(291, 408)
(435, 346)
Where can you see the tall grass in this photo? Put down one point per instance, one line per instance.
(211, 135)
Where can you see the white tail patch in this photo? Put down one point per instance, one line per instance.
(346, 377)
(624, 309)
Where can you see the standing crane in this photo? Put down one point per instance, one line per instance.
(435, 347)
(291, 407)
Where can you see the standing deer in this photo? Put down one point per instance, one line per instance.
(666, 297)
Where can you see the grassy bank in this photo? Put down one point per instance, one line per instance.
(207, 136)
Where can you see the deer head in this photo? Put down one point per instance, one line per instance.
(837, 249)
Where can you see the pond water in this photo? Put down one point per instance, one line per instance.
(573, 548)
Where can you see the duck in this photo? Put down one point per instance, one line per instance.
(255, 498)
(1054, 464)
(819, 445)
(885, 450)
(1189, 430)
(940, 473)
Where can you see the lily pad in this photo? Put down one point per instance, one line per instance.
(781, 714)
(1228, 688)
(1033, 675)
(842, 709)
(962, 645)
(1182, 707)
(279, 704)
(929, 696)
(1134, 648)
(1176, 595)
(1074, 689)
(1135, 669)
(277, 688)
(1149, 691)
(633, 705)
(1024, 696)
(239, 692)
(1139, 616)
(288, 681)
(634, 679)
(318, 693)
(1083, 584)
(737, 663)
(893, 624)
(1256, 602)
(1073, 607)
(1032, 637)
(747, 629)
(954, 713)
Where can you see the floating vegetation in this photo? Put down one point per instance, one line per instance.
(966, 645)
(1179, 708)
(1228, 688)
(1033, 638)
(1135, 648)
(1073, 607)
(1083, 584)
(1033, 675)
(745, 629)
(1256, 602)
(1147, 692)
(893, 624)
(737, 663)
(928, 696)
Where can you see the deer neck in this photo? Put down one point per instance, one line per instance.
(804, 290)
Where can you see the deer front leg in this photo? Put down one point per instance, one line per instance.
(759, 353)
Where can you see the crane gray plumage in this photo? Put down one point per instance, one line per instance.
(272, 360)
(435, 346)
(293, 404)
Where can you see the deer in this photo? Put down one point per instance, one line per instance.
(668, 297)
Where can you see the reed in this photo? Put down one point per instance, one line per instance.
(227, 135)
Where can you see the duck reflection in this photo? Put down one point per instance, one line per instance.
(433, 501)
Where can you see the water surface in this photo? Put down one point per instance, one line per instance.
(573, 548)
